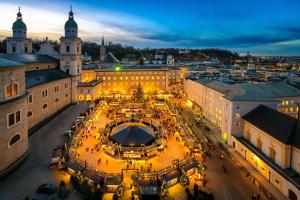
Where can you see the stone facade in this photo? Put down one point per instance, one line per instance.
(55, 100)
(13, 137)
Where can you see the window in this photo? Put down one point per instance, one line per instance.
(67, 71)
(66, 85)
(26, 49)
(237, 124)
(13, 118)
(11, 90)
(237, 107)
(258, 143)
(66, 95)
(56, 100)
(67, 49)
(44, 93)
(248, 135)
(29, 98)
(56, 89)
(77, 49)
(272, 153)
(14, 139)
(29, 114)
(45, 106)
(14, 49)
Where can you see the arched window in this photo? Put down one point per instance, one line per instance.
(14, 139)
(29, 114)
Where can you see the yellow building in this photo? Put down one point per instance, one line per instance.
(124, 80)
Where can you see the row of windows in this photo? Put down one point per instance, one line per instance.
(14, 49)
(132, 78)
(45, 106)
(56, 89)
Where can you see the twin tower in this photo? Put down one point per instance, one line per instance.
(70, 44)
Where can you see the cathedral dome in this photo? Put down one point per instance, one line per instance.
(71, 22)
(19, 24)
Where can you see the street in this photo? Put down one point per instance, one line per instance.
(34, 172)
(230, 185)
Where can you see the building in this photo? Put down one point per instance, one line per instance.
(19, 43)
(161, 59)
(35, 88)
(13, 115)
(223, 104)
(270, 142)
(102, 51)
(124, 80)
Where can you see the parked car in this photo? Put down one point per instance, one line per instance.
(47, 188)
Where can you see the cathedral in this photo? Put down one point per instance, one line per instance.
(34, 87)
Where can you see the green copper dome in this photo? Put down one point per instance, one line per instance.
(71, 24)
(19, 24)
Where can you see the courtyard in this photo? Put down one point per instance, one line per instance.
(172, 150)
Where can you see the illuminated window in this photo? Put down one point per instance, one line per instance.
(248, 135)
(108, 78)
(291, 109)
(286, 102)
(152, 77)
(11, 90)
(258, 143)
(283, 102)
(115, 78)
(158, 78)
(147, 77)
(126, 78)
(103, 78)
(132, 78)
(272, 153)
(136, 78)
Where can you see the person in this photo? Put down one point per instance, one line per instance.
(224, 169)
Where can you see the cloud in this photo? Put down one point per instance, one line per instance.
(50, 22)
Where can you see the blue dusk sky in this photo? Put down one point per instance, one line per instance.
(265, 27)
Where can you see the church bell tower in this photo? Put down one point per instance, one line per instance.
(70, 53)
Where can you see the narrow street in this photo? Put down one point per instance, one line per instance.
(230, 185)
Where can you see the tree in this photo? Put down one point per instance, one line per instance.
(138, 95)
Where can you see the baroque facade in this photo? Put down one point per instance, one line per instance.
(34, 87)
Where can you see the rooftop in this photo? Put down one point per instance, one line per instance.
(141, 67)
(28, 58)
(282, 127)
(9, 63)
(267, 91)
(38, 77)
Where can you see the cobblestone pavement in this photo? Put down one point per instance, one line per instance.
(34, 172)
